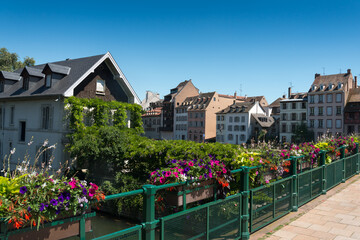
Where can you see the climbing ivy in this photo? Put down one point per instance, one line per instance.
(102, 113)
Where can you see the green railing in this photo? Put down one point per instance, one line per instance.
(236, 216)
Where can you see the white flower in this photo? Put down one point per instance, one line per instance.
(29, 143)
(43, 185)
(66, 208)
(12, 151)
(52, 146)
(45, 143)
(81, 205)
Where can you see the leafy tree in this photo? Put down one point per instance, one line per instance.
(10, 61)
(302, 133)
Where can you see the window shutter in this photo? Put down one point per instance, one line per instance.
(43, 117)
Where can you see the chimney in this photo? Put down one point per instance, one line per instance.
(317, 75)
(355, 82)
(289, 92)
(235, 95)
(284, 96)
(245, 96)
(348, 71)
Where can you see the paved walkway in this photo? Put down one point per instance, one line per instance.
(335, 215)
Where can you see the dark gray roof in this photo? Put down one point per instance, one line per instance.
(10, 76)
(55, 68)
(33, 72)
(78, 68)
(238, 107)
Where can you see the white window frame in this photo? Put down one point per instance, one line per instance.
(100, 90)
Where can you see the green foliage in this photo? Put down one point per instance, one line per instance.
(302, 133)
(10, 61)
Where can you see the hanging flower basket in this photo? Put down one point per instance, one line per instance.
(58, 229)
(204, 190)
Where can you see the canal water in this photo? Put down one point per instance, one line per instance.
(104, 223)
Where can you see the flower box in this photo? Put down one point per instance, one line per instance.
(205, 191)
(58, 229)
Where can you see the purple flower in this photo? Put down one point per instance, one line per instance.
(58, 210)
(54, 202)
(205, 175)
(42, 207)
(84, 191)
(23, 190)
(173, 161)
(61, 198)
(29, 209)
(186, 169)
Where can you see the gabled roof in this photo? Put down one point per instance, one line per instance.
(238, 107)
(80, 69)
(55, 68)
(276, 103)
(354, 95)
(263, 120)
(199, 102)
(330, 82)
(32, 72)
(10, 76)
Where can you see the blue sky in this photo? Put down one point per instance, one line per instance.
(260, 46)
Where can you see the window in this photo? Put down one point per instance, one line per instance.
(293, 116)
(283, 129)
(236, 128)
(222, 118)
(242, 118)
(236, 119)
(329, 98)
(242, 128)
(201, 123)
(242, 137)
(230, 128)
(351, 115)
(338, 123)
(321, 111)
(329, 123)
(230, 119)
(22, 127)
(329, 111)
(48, 80)
(312, 123)
(303, 116)
(190, 115)
(46, 113)
(202, 115)
(338, 110)
(214, 99)
(321, 98)
(321, 123)
(312, 99)
(218, 126)
(201, 137)
(284, 106)
(2, 84)
(284, 116)
(230, 137)
(26, 83)
(293, 127)
(312, 111)
(100, 86)
(338, 97)
(196, 115)
(218, 118)
(1, 118)
(294, 105)
(12, 113)
(303, 105)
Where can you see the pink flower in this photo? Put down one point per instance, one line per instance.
(72, 184)
(267, 181)
(251, 159)
(162, 180)
(200, 177)
(256, 173)
(224, 170)
(191, 164)
(91, 192)
(94, 186)
(167, 174)
(176, 174)
(260, 161)
(153, 173)
(217, 162)
(210, 175)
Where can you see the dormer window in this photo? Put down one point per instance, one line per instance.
(100, 86)
(26, 83)
(322, 87)
(339, 85)
(331, 86)
(2, 84)
(48, 79)
(313, 88)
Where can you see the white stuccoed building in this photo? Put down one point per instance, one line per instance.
(32, 102)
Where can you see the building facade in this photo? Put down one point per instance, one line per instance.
(236, 124)
(293, 112)
(326, 101)
(174, 99)
(152, 121)
(352, 112)
(181, 122)
(32, 102)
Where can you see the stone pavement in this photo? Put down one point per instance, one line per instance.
(335, 215)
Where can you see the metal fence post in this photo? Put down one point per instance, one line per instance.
(149, 211)
(322, 163)
(357, 158)
(244, 189)
(82, 229)
(342, 156)
(294, 184)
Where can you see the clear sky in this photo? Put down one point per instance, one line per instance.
(258, 46)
